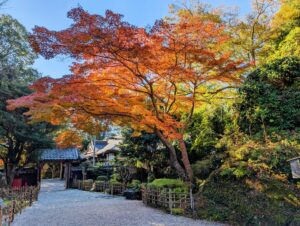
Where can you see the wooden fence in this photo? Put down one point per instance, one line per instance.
(16, 200)
(167, 199)
(99, 186)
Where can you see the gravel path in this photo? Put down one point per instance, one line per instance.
(59, 207)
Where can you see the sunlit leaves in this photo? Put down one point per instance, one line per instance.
(129, 75)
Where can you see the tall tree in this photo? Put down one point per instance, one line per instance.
(18, 140)
(270, 98)
(16, 55)
(286, 19)
(151, 80)
(286, 29)
(251, 36)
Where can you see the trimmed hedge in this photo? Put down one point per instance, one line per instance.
(174, 184)
(102, 178)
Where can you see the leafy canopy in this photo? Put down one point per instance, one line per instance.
(128, 74)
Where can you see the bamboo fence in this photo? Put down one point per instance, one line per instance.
(99, 186)
(17, 199)
(167, 199)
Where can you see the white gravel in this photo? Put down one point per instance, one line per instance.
(59, 207)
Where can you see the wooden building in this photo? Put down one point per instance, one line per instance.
(105, 150)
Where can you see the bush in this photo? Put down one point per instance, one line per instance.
(102, 178)
(175, 184)
(115, 183)
(115, 178)
(135, 185)
(242, 203)
(177, 211)
(253, 186)
(255, 159)
(203, 168)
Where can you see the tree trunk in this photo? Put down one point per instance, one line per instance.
(10, 173)
(173, 157)
(185, 160)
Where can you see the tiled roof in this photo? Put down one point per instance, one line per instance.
(60, 154)
(112, 145)
(100, 144)
(102, 147)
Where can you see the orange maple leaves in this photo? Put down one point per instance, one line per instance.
(147, 79)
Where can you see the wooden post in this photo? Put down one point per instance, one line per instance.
(21, 200)
(30, 197)
(0, 216)
(61, 175)
(39, 172)
(10, 215)
(112, 188)
(192, 199)
(67, 174)
(13, 210)
(170, 200)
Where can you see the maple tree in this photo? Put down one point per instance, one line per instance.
(149, 79)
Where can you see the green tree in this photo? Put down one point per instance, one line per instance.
(286, 19)
(16, 55)
(270, 97)
(145, 151)
(18, 139)
(286, 27)
(252, 34)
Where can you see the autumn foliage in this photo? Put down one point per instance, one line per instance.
(149, 79)
(68, 138)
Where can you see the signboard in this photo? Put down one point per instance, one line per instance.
(295, 167)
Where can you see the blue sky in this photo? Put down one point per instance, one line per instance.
(52, 14)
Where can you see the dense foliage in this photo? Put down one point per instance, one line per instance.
(270, 97)
(253, 184)
(18, 139)
(147, 152)
(174, 184)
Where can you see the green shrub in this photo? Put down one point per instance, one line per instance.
(204, 167)
(102, 178)
(115, 183)
(135, 184)
(115, 177)
(175, 184)
(177, 211)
